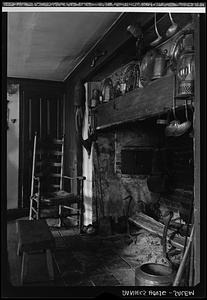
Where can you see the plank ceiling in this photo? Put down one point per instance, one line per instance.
(48, 45)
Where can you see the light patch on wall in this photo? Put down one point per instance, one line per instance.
(12, 145)
(87, 170)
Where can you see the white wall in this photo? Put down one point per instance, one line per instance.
(87, 169)
(13, 148)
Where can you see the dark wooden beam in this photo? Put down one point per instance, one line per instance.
(142, 103)
(33, 83)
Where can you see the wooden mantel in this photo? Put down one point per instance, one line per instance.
(156, 98)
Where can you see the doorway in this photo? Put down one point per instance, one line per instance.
(42, 110)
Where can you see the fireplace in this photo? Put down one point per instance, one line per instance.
(124, 163)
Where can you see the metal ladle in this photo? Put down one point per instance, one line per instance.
(172, 128)
(185, 125)
(173, 28)
(159, 38)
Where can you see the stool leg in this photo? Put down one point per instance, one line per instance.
(50, 264)
(24, 266)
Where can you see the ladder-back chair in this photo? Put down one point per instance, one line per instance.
(51, 196)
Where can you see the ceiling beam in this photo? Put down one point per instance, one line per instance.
(110, 42)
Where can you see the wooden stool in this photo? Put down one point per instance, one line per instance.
(35, 235)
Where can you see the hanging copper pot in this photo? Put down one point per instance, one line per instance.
(160, 63)
(147, 67)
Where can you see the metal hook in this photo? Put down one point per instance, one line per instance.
(97, 56)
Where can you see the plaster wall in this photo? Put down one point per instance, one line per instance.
(13, 148)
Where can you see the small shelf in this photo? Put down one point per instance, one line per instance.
(142, 103)
(185, 97)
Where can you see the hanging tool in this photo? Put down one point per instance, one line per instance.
(173, 27)
(164, 239)
(182, 264)
(159, 38)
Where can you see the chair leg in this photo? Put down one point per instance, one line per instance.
(50, 264)
(59, 214)
(18, 250)
(24, 266)
(30, 210)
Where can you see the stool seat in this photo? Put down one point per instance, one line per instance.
(34, 235)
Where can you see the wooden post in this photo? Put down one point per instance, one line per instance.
(197, 154)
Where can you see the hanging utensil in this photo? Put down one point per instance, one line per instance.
(183, 262)
(177, 129)
(159, 38)
(185, 125)
(173, 28)
(172, 127)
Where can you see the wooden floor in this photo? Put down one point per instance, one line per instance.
(79, 261)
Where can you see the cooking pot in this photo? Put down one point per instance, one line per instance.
(159, 69)
(152, 274)
(147, 67)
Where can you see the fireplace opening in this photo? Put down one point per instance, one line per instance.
(136, 160)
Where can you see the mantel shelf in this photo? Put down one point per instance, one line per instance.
(154, 99)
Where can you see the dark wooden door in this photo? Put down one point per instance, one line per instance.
(42, 111)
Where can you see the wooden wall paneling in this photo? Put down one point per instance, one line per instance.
(48, 116)
(58, 118)
(39, 105)
(41, 123)
(30, 119)
(21, 148)
(70, 166)
(43, 117)
(63, 112)
(53, 116)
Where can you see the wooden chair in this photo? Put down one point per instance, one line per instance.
(50, 197)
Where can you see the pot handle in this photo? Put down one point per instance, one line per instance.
(186, 110)
(174, 101)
